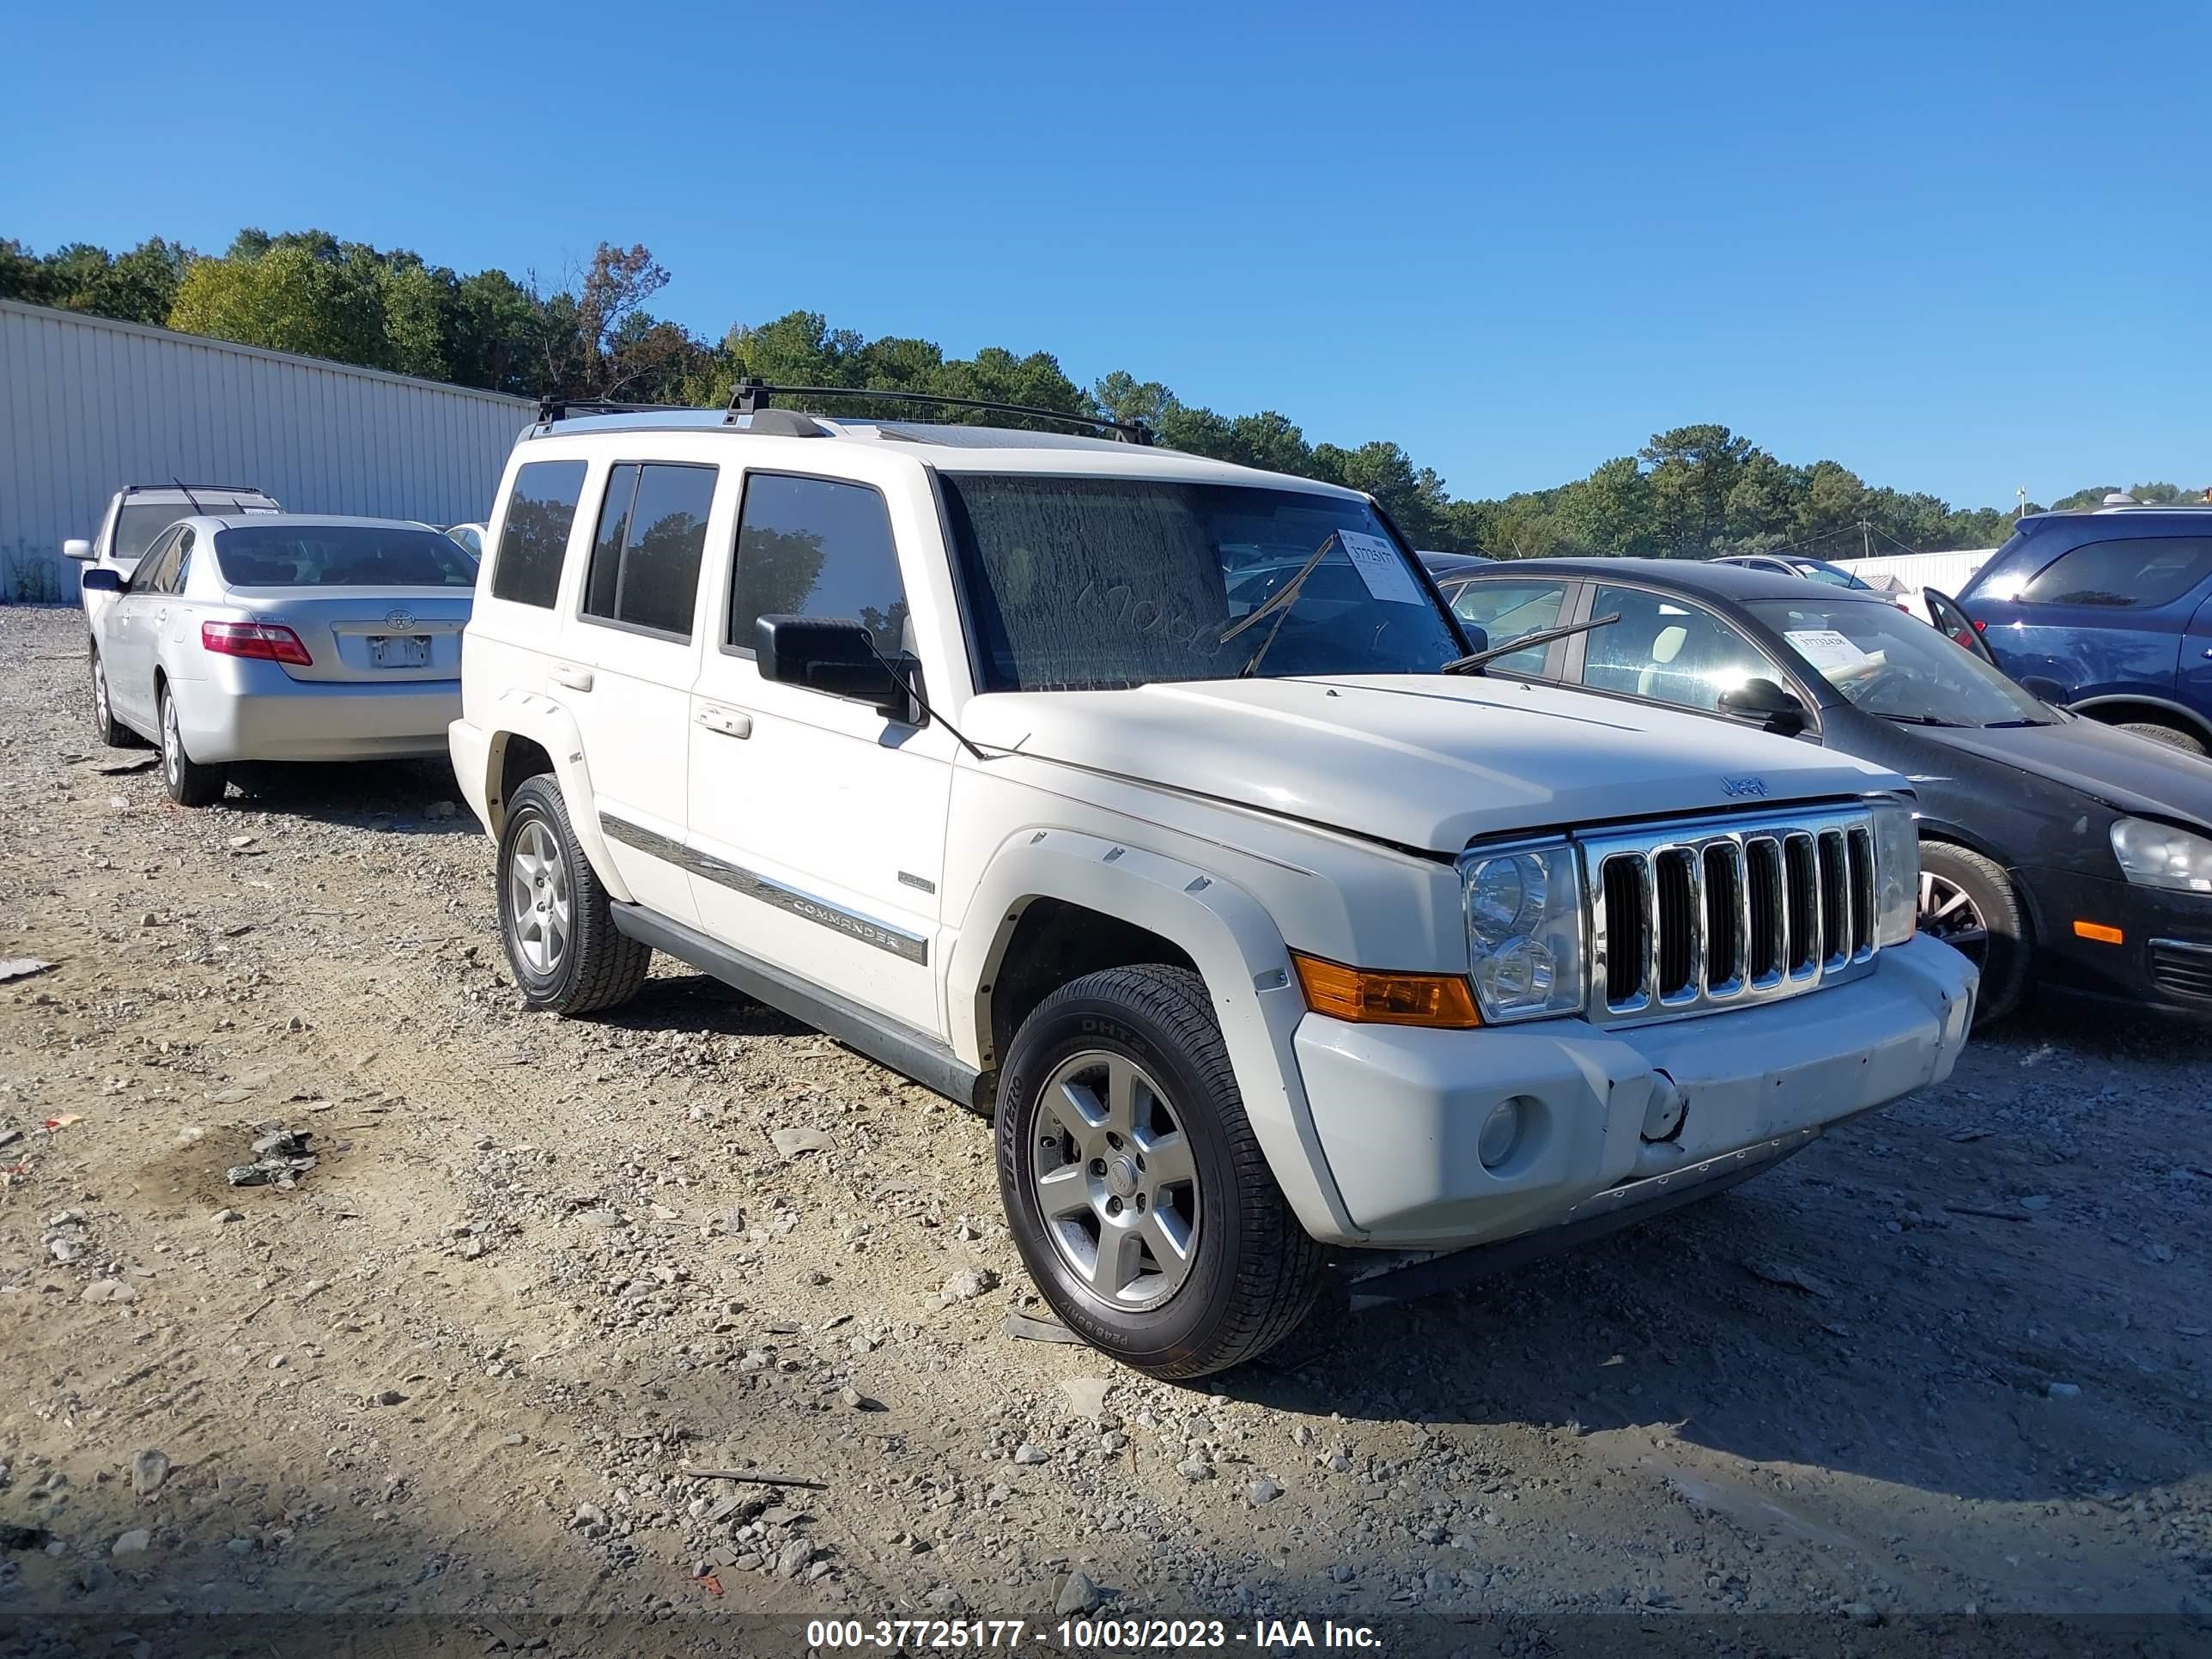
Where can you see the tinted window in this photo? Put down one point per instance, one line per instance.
(807, 547)
(1505, 611)
(154, 564)
(282, 555)
(645, 558)
(181, 572)
(1670, 651)
(2142, 571)
(1093, 583)
(533, 537)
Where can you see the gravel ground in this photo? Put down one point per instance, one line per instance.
(453, 1386)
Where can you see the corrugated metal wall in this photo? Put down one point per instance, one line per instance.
(87, 405)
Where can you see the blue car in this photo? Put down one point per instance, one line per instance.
(2110, 613)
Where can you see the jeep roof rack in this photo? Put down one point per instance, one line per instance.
(212, 488)
(751, 397)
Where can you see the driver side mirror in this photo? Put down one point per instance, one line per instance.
(1762, 702)
(831, 654)
(77, 548)
(98, 581)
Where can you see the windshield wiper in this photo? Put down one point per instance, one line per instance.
(1475, 663)
(1916, 720)
(1277, 605)
(2002, 725)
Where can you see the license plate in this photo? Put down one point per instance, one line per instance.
(398, 650)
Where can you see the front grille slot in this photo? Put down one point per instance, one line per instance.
(1768, 912)
(1725, 916)
(2181, 968)
(1682, 922)
(1628, 916)
(1862, 878)
(1691, 917)
(1801, 888)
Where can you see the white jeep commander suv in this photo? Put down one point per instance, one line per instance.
(1158, 806)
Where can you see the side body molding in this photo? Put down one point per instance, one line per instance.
(1239, 951)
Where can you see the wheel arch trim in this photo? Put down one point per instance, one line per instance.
(1240, 955)
(552, 728)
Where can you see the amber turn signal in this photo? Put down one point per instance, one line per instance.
(2098, 931)
(1380, 998)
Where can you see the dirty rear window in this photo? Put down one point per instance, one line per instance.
(1087, 584)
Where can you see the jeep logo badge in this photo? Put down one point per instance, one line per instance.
(1737, 788)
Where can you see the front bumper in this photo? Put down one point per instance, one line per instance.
(2164, 960)
(1400, 1111)
(248, 710)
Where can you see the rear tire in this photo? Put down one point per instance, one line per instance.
(555, 921)
(1968, 901)
(1135, 1190)
(2172, 736)
(190, 784)
(112, 732)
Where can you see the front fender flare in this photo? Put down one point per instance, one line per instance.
(533, 715)
(1239, 953)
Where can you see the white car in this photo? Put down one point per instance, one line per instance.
(470, 536)
(281, 637)
(137, 513)
(1158, 806)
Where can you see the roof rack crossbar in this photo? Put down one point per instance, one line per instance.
(212, 488)
(751, 397)
(550, 408)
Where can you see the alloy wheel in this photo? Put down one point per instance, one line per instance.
(100, 694)
(172, 744)
(1115, 1181)
(1948, 913)
(538, 897)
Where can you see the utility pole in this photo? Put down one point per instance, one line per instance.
(1866, 547)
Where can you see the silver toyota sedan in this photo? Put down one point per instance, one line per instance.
(281, 637)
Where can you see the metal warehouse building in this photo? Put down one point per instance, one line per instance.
(87, 405)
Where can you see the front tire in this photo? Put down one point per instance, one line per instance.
(190, 784)
(2172, 736)
(1135, 1189)
(1967, 901)
(555, 921)
(112, 732)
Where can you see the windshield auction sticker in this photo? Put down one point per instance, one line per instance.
(1380, 568)
(1830, 651)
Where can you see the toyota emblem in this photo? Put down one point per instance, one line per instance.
(400, 622)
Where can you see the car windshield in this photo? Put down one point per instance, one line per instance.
(1087, 583)
(1891, 664)
(136, 527)
(342, 555)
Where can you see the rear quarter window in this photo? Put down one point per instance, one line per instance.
(533, 537)
(2135, 573)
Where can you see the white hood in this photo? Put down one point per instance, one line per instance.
(1422, 760)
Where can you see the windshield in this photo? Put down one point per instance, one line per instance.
(1087, 584)
(1893, 665)
(342, 555)
(136, 527)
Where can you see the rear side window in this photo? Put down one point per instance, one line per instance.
(810, 547)
(2137, 573)
(645, 557)
(534, 536)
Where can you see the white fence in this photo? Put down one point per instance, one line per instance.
(1945, 572)
(87, 405)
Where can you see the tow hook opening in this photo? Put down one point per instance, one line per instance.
(1664, 1116)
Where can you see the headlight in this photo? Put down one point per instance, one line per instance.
(1524, 929)
(2159, 855)
(1897, 871)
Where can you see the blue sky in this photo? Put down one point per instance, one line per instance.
(1958, 248)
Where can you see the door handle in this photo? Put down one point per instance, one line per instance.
(576, 679)
(729, 722)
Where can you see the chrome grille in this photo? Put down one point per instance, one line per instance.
(1688, 918)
